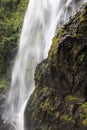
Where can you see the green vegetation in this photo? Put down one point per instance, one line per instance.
(83, 16)
(68, 118)
(72, 98)
(57, 115)
(85, 122)
(82, 57)
(53, 49)
(84, 106)
(59, 96)
(47, 105)
(11, 19)
(83, 115)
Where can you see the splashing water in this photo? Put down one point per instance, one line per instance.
(39, 27)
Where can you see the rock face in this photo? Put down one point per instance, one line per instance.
(59, 101)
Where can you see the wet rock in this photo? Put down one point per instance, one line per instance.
(59, 101)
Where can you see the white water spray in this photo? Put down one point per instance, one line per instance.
(40, 23)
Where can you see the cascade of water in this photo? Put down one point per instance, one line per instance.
(40, 23)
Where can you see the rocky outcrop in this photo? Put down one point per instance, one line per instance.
(59, 101)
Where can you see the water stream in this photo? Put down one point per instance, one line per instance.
(41, 20)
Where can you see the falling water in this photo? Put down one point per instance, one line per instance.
(41, 20)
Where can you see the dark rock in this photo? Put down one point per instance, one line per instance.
(59, 101)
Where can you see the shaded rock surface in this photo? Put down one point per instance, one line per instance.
(59, 101)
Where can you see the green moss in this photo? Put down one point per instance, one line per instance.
(33, 114)
(55, 41)
(44, 65)
(84, 106)
(61, 32)
(83, 114)
(72, 98)
(53, 49)
(85, 122)
(74, 34)
(38, 76)
(68, 118)
(47, 90)
(35, 96)
(47, 105)
(57, 115)
(82, 57)
(76, 48)
(83, 16)
(51, 102)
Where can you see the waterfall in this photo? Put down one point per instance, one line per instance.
(41, 20)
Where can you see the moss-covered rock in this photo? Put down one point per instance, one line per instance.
(47, 109)
(59, 101)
